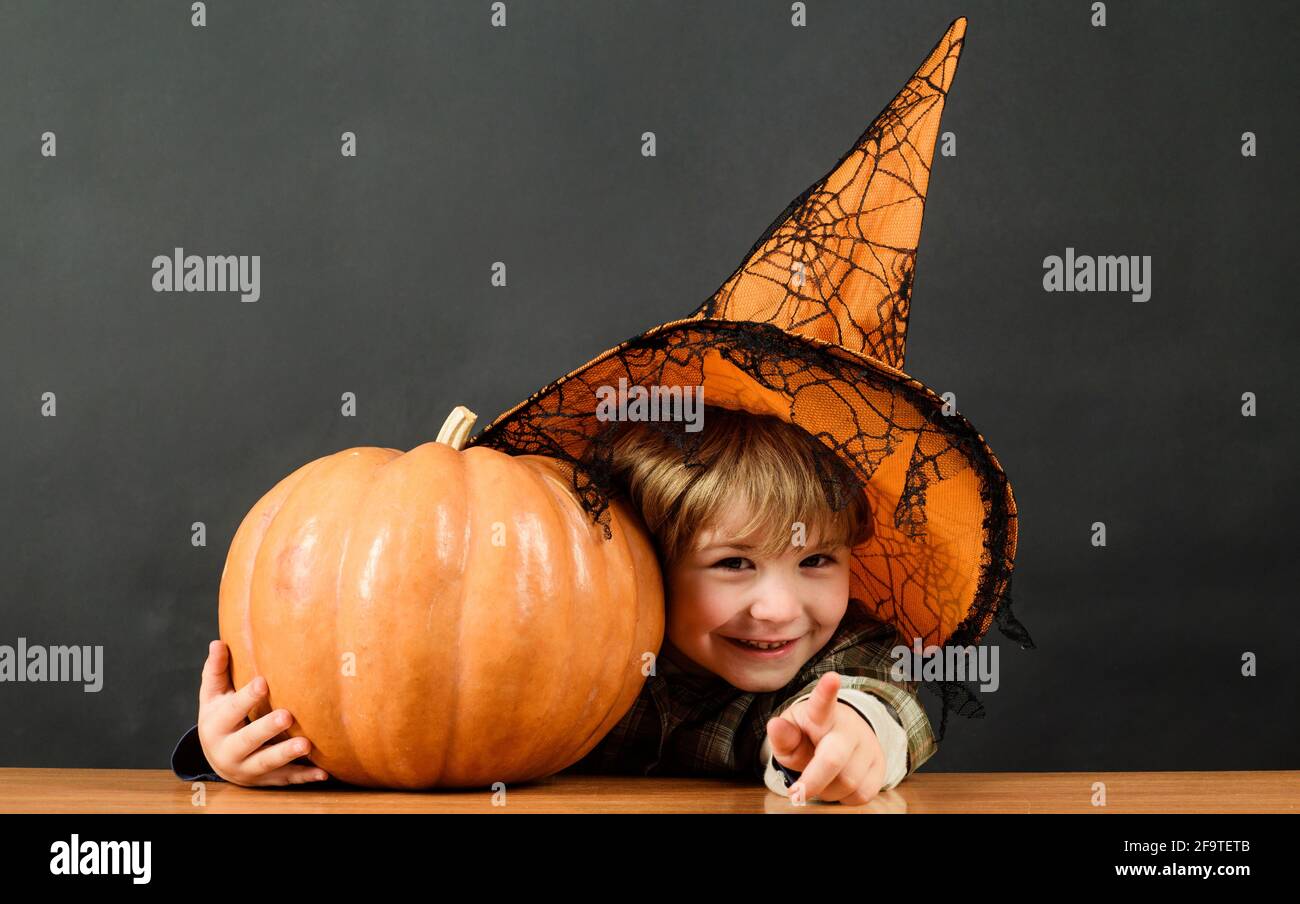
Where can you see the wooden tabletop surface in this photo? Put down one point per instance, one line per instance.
(159, 791)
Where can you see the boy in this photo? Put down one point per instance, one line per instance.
(767, 667)
(728, 532)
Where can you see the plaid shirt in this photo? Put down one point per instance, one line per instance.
(688, 724)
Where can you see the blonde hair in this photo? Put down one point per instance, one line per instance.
(779, 472)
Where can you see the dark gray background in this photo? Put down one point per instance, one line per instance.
(523, 145)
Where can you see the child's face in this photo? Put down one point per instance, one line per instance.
(722, 591)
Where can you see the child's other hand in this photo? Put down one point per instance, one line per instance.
(232, 744)
(831, 745)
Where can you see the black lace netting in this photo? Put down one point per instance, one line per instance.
(857, 412)
(795, 331)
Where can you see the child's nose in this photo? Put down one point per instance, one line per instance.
(776, 600)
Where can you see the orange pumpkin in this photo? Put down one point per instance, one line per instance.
(440, 617)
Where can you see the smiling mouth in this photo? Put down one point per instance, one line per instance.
(761, 644)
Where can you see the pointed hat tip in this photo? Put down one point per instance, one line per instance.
(945, 54)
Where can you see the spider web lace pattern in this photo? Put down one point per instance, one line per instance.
(861, 414)
(838, 263)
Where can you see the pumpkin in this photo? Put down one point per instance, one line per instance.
(439, 617)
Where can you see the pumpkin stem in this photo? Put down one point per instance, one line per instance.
(455, 429)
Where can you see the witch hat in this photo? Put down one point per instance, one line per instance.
(812, 328)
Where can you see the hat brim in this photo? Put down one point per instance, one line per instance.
(940, 558)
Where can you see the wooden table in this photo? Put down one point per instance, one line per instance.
(159, 791)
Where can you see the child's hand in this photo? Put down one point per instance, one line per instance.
(831, 745)
(232, 744)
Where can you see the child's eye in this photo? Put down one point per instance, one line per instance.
(732, 563)
(820, 560)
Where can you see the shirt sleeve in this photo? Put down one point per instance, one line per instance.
(883, 721)
(188, 761)
(901, 703)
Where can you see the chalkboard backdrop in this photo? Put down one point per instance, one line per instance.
(366, 165)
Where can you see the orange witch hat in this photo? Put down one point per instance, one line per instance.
(812, 328)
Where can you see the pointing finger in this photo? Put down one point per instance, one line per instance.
(818, 713)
